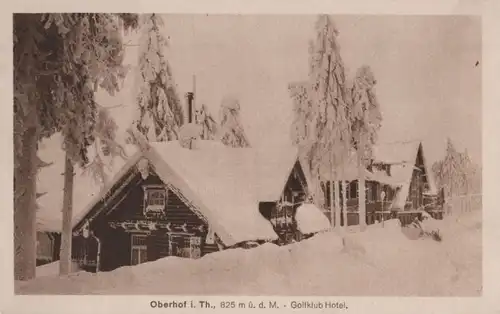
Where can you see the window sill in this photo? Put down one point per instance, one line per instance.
(154, 209)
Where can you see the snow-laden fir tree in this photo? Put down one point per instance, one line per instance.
(327, 93)
(448, 174)
(59, 62)
(209, 126)
(98, 157)
(231, 127)
(301, 130)
(105, 149)
(91, 123)
(365, 120)
(465, 179)
(160, 112)
(302, 134)
(459, 178)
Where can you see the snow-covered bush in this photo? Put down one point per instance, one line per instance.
(232, 133)
(428, 227)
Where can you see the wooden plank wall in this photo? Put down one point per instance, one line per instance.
(116, 243)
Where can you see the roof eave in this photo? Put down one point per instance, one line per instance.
(123, 171)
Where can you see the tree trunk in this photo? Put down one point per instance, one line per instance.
(337, 203)
(332, 208)
(318, 190)
(361, 184)
(25, 206)
(452, 199)
(468, 197)
(67, 234)
(344, 202)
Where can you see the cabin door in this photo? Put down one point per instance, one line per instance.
(139, 249)
(173, 245)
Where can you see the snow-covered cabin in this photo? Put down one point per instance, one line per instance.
(398, 180)
(187, 202)
(407, 164)
(416, 190)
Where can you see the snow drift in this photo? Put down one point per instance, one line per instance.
(52, 269)
(311, 219)
(381, 261)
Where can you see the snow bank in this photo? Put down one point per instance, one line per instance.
(310, 219)
(381, 261)
(52, 269)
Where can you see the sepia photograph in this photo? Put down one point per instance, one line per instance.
(247, 155)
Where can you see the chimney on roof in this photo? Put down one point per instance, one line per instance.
(190, 103)
(190, 98)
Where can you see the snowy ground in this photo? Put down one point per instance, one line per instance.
(377, 262)
(52, 269)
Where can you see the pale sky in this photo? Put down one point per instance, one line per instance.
(428, 85)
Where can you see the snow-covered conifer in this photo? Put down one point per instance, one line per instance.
(458, 176)
(231, 128)
(365, 119)
(59, 62)
(209, 127)
(326, 106)
(159, 109)
(105, 148)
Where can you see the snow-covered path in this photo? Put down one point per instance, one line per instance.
(377, 262)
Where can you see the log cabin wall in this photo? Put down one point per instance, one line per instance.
(85, 252)
(415, 199)
(127, 206)
(115, 246)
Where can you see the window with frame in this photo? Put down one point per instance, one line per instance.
(283, 216)
(369, 192)
(288, 215)
(419, 189)
(353, 190)
(155, 200)
(378, 191)
(414, 199)
(191, 247)
(139, 250)
(347, 191)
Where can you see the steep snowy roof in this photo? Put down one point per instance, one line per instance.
(349, 172)
(403, 156)
(228, 183)
(50, 180)
(311, 219)
(402, 173)
(274, 165)
(396, 153)
(225, 183)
